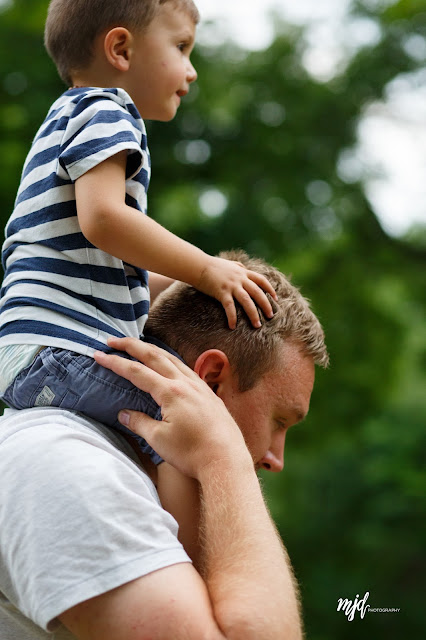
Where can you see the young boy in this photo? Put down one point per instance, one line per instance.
(78, 245)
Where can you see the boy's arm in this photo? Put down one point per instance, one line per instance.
(157, 284)
(112, 226)
(180, 496)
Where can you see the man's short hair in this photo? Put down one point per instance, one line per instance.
(72, 26)
(191, 322)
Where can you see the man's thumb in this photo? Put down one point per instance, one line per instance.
(136, 421)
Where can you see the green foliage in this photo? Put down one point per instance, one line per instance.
(266, 136)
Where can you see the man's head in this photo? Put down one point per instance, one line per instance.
(264, 376)
(191, 322)
(73, 28)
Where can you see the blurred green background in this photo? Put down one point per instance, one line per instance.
(251, 161)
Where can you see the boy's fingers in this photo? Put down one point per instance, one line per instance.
(249, 307)
(262, 282)
(230, 310)
(260, 297)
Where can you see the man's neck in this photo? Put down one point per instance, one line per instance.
(159, 343)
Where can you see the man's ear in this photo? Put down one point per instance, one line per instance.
(213, 367)
(118, 44)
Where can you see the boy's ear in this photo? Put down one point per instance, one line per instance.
(118, 45)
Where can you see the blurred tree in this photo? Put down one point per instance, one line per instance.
(252, 161)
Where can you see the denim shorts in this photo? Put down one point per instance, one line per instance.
(68, 380)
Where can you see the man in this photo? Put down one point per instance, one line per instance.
(86, 548)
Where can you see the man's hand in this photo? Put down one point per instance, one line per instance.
(228, 281)
(195, 423)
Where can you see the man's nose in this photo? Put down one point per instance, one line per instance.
(273, 460)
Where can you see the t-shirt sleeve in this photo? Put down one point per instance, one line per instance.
(101, 126)
(78, 518)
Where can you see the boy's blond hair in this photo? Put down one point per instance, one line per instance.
(191, 322)
(73, 25)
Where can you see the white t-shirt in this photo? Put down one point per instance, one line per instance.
(78, 517)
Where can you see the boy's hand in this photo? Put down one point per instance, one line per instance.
(228, 281)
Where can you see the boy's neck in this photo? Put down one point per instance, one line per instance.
(99, 73)
(96, 80)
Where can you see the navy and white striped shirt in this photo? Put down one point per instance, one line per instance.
(59, 290)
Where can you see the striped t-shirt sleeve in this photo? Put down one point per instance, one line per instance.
(85, 144)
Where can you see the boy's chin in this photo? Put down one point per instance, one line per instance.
(162, 118)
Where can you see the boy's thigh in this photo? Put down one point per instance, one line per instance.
(67, 380)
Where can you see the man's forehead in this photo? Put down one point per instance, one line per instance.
(292, 378)
(292, 357)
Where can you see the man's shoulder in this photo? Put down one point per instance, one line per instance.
(15, 421)
(79, 517)
(60, 453)
(32, 432)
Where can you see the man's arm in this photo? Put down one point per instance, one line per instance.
(246, 591)
(246, 568)
(169, 604)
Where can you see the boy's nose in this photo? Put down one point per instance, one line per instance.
(191, 74)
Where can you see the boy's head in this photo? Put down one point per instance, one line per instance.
(74, 26)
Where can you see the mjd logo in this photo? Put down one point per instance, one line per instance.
(350, 608)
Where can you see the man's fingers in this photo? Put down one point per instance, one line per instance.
(153, 357)
(138, 374)
(141, 424)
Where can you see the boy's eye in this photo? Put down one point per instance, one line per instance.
(183, 46)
